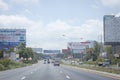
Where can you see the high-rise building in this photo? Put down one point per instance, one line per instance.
(112, 32)
(10, 38)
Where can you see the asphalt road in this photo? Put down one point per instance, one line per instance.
(42, 71)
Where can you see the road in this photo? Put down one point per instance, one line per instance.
(42, 71)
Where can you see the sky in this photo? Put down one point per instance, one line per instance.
(50, 24)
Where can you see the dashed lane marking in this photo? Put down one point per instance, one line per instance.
(67, 77)
(31, 72)
(23, 78)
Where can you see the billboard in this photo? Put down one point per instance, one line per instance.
(11, 37)
(78, 47)
(111, 30)
(51, 51)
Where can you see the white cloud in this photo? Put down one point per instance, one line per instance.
(26, 1)
(111, 3)
(94, 6)
(3, 5)
(49, 36)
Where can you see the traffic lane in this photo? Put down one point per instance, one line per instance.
(18, 73)
(75, 74)
(47, 72)
(50, 72)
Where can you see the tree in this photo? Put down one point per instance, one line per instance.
(29, 53)
(97, 47)
(89, 54)
(20, 50)
(1, 53)
(108, 49)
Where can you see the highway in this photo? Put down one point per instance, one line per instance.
(42, 71)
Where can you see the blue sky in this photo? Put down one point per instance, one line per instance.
(47, 20)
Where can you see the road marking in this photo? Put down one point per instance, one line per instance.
(23, 78)
(67, 77)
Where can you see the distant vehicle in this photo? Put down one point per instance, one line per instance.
(48, 61)
(45, 61)
(80, 62)
(57, 62)
(105, 63)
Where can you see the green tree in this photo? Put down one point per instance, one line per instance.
(21, 50)
(89, 54)
(29, 53)
(1, 53)
(108, 49)
(97, 48)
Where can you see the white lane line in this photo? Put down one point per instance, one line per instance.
(23, 78)
(67, 77)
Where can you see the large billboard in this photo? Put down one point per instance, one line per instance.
(11, 37)
(51, 51)
(78, 47)
(111, 30)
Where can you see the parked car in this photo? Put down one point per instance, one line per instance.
(80, 62)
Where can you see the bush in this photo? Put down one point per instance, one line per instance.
(5, 62)
(2, 67)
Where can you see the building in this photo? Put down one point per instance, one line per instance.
(112, 31)
(65, 51)
(10, 38)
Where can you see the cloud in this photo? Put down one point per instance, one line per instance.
(3, 5)
(94, 6)
(111, 3)
(14, 21)
(26, 1)
(49, 36)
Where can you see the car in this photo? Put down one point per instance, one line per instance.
(56, 63)
(80, 62)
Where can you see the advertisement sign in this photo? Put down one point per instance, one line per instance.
(11, 37)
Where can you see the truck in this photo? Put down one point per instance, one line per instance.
(56, 62)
